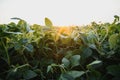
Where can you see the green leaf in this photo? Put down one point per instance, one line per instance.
(86, 53)
(114, 70)
(12, 24)
(22, 25)
(93, 46)
(83, 37)
(75, 60)
(18, 46)
(23, 41)
(29, 47)
(91, 37)
(113, 41)
(116, 18)
(16, 18)
(76, 74)
(28, 29)
(13, 32)
(29, 74)
(94, 75)
(49, 68)
(65, 76)
(71, 75)
(48, 22)
(68, 54)
(66, 62)
(96, 63)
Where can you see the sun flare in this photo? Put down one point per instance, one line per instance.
(63, 31)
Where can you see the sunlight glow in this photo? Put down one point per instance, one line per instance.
(63, 31)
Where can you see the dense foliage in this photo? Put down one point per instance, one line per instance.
(35, 52)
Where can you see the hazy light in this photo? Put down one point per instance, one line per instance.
(61, 12)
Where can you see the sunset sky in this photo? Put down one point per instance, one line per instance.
(61, 12)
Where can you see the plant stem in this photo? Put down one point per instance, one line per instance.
(85, 72)
(104, 36)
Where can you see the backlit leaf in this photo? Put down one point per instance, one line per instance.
(48, 22)
(113, 41)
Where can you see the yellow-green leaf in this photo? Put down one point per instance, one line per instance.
(48, 22)
(113, 41)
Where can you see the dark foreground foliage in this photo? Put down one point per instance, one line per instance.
(35, 52)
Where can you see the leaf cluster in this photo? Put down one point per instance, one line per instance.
(36, 52)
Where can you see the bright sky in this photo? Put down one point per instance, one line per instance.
(61, 12)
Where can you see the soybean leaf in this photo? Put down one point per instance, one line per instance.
(116, 19)
(29, 74)
(66, 62)
(86, 53)
(75, 60)
(22, 25)
(95, 63)
(16, 18)
(94, 74)
(29, 47)
(28, 29)
(76, 74)
(93, 46)
(49, 68)
(113, 41)
(48, 22)
(65, 76)
(23, 41)
(13, 32)
(91, 37)
(18, 46)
